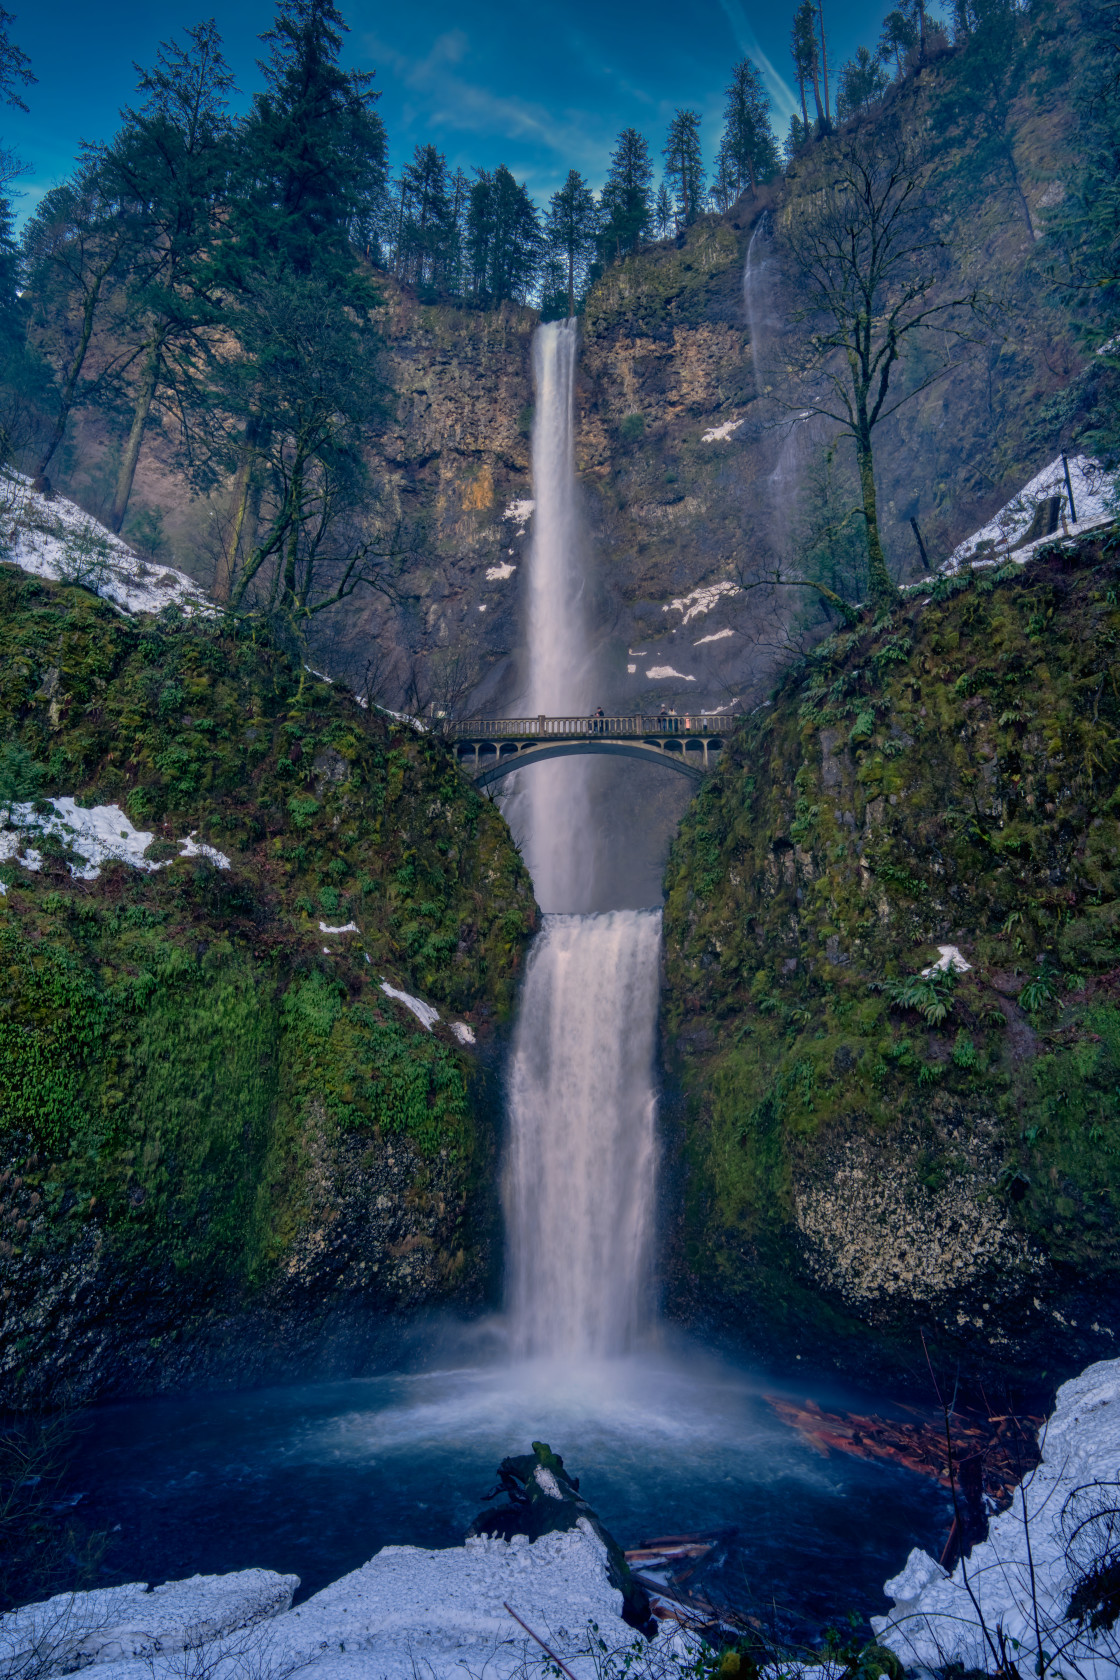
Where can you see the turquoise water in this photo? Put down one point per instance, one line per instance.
(314, 1479)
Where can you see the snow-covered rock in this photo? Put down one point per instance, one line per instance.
(444, 1615)
(53, 538)
(1019, 1582)
(1001, 539)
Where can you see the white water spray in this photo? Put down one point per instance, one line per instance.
(759, 281)
(579, 1183)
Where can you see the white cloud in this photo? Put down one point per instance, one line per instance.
(785, 104)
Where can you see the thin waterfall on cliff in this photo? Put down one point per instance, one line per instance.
(758, 302)
(579, 1181)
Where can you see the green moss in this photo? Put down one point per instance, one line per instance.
(947, 776)
(175, 1046)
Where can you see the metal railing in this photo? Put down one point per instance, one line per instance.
(637, 724)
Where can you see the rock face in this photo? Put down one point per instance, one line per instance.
(892, 940)
(227, 1152)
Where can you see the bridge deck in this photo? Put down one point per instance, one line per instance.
(617, 728)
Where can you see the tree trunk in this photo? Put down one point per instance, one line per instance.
(571, 283)
(881, 586)
(145, 396)
(804, 107)
(824, 60)
(227, 565)
(66, 397)
(817, 96)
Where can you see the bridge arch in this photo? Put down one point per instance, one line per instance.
(671, 756)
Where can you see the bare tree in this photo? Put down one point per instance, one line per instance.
(861, 238)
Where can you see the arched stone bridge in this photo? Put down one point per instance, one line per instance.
(490, 748)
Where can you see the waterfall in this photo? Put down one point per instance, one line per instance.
(758, 302)
(579, 1179)
(582, 1150)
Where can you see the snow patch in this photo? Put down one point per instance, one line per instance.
(658, 671)
(716, 636)
(949, 962)
(424, 1013)
(701, 600)
(935, 1622)
(630, 669)
(350, 927)
(717, 434)
(498, 574)
(520, 513)
(406, 1613)
(53, 538)
(98, 833)
(462, 1032)
(1094, 495)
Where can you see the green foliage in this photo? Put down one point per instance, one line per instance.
(931, 995)
(20, 777)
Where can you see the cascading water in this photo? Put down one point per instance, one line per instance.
(758, 302)
(580, 1171)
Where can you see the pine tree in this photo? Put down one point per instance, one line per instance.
(862, 81)
(748, 143)
(313, 148)
(503, 238)
(625, 199)
(684, 166)
(806, 56)
(571, 229)
(169, 169)
(900, 36)
(663, 218)
(15, 66)
(427, 232)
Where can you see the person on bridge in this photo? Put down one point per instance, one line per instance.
(597, 726)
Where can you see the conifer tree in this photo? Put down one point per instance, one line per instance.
(313, 149)
(899, 37)
(748, 143)
(684, 166)
(663, 218)
(169, 169)
(571, 230)
(861, 82)
(503, 237)
(625, 199)
(806, 57)
(427, 231)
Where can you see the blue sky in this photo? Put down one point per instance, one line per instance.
(542, 88)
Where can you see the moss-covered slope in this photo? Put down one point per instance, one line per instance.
(217, 1132)
(864, 1144)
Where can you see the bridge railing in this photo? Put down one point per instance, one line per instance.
(637, 723)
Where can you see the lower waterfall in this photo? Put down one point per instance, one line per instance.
(580, 1172)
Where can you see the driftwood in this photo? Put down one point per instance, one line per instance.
(990, 1454)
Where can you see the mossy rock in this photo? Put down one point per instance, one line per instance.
(865, 1147)
(208, 1107)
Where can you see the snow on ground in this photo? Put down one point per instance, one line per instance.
(53, 538)
(424, 1012)
(1094, 496)
(405, 1614)
(109, 1626)
(716, 636)
(1066, 1512)
(347, 927)
(462, 1032)
(98, 833)
(701, 600)
(717, 434)
(498, 574)
(658, 671)
(949, 961)
(520, 513)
